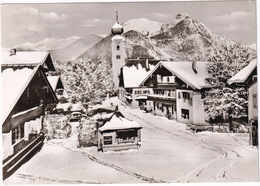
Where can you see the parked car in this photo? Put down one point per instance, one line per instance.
(75, 116)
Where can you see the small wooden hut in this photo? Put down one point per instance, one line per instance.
(119, 133)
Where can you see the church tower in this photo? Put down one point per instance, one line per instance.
(118, 51)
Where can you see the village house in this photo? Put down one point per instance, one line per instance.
(26, 92)
(119, 133)
(132, 73)
(247, 77)
(177, 89)
(56, 85)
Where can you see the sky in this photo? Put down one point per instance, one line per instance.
(27, 22)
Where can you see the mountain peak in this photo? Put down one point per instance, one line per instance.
(142, 25)
(182, 16)
(183, 26)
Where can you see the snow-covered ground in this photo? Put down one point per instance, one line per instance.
(169, 153)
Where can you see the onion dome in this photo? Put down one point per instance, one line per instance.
(117, 29)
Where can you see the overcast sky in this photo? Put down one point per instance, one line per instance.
(34, 22)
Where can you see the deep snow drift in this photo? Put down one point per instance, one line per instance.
(168, 154)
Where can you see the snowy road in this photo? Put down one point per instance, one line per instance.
(169, 153)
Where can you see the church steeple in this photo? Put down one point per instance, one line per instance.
(118, 51)
(117, 29)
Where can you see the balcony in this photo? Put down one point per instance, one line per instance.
(161, 97)
(166, 81)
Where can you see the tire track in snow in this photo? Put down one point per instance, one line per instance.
(224, 154)
(189, 137)
(120, 169)
(53, 180)
(196, 173)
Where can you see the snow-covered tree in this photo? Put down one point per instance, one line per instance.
(223, 99)
(86, 80)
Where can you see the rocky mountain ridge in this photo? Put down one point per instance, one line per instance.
(87, 74)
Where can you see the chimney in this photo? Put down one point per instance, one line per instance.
(194, 67)
(146, 63)
(12, 51)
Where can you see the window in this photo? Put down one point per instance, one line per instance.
(138, 92)
(107, 140)
(126, 135)
(118, 57)
(185, 114)
(22, 130)
(186, 95)
(118, 47)
(17, 133)
(146, 92)
(255, 100)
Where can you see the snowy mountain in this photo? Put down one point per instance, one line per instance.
(47, 44)
(76, 48)
(53, 44)
(143, 25)
(186, 39)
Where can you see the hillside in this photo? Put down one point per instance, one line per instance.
(76, 48)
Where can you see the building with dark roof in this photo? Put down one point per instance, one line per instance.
(26, 92)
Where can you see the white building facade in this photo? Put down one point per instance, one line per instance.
(118, 51)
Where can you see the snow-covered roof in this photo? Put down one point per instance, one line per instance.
(184, 71)
(54, 81)
(102, 116)
(135, 71)
(243, 74)
(77, 107)
(13, 84)
(119, 123)
(26, 59)
(64, 106)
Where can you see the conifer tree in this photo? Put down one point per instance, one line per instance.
(222, 99)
